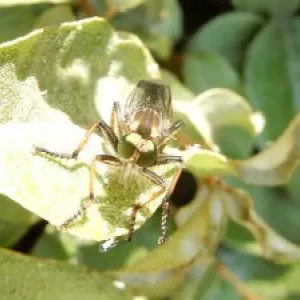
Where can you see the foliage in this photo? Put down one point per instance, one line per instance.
(62, 67)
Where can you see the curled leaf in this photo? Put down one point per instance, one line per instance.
(240, 208)
(275, 164)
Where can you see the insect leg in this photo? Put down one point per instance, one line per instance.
(170, 132)
(101, 125)
(163, 160)
(115, 119)
(156, 180)
(106, 159)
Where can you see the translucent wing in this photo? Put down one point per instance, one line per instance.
(150, 94)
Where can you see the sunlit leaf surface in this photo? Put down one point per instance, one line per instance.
(43, 91)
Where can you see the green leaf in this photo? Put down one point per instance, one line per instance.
(222, 290)
(43, 88)
(15, 22)
(161, 271)
(23, 2)
(238, 236)
(197, 286)
(274, 165)
(24, 277)
(251, 267)
(53, 244)
(227, 35)
(274, 7)
(292, 186)
(265, 279)
(271, 77)
(54, 16)
(204, 70)
(235, 142)
(157, 23)
(14, 221)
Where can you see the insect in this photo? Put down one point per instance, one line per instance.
(138, 135)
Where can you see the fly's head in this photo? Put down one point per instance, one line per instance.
(139, 150)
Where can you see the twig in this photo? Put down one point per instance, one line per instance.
(111, 11)
(90, 11)
(86, 7)
(238, 284)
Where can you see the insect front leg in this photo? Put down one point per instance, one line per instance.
(108, 132)
(106, 159)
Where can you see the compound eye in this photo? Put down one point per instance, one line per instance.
(148, 155)
(126, 147)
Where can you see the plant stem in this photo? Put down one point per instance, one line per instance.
(225, 273)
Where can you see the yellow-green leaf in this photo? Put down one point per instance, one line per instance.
(275, 164)
(205, 163)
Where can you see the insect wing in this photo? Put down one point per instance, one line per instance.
(150, 94)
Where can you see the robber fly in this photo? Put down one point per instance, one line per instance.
(138, 135)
